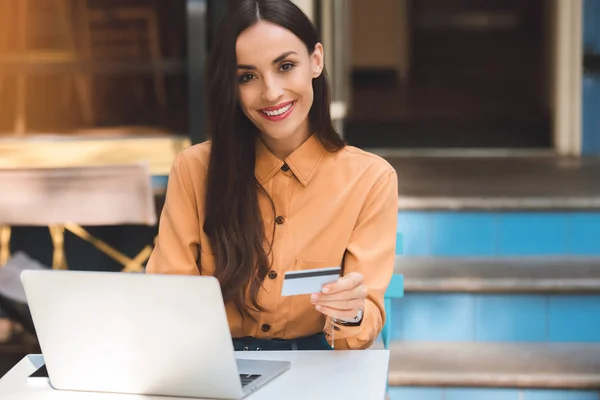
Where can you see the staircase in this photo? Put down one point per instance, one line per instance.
(501, 263)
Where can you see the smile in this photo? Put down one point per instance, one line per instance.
(279, 112)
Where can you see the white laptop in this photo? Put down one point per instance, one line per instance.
(139, 334)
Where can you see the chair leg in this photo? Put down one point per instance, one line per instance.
(136, 264)
(130, 265)
(57, 233)
(4, 245)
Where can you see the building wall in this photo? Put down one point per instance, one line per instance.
(591, 80)
(379, 35)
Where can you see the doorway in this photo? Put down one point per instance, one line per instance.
(450, 74)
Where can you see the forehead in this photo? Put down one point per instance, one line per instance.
(265, 41)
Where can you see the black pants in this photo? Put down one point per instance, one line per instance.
(313, 342)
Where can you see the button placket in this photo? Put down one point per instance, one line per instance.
(280, 192)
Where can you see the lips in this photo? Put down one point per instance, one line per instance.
(278, 112)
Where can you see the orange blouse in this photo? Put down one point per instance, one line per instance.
(330, 207)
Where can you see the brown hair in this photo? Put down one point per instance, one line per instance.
(233, 220)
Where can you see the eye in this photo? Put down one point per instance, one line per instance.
(288, 66)
(246, 78)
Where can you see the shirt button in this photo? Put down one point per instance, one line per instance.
(285, 168)
(280, 220)
(272, 274)
(265, 328)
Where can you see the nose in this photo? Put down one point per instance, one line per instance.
(272, 90)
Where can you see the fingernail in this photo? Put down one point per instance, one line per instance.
(326, 290)
(314, 298)
(319, 308)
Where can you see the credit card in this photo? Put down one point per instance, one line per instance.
(308, 281)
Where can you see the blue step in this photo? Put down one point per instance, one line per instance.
(496, 233)
(534, 299)
(496, 318)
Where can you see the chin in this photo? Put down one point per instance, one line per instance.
(280, 132)
(279, 135)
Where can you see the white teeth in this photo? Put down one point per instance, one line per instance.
(278, 112)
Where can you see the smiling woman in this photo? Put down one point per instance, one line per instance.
(276, 83)
(277, 190)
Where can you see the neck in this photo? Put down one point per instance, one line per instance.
(281, 148)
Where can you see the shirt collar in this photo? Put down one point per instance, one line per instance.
(304, 162)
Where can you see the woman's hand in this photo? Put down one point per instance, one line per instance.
(342, 299)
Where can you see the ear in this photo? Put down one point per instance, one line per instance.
(317, 60)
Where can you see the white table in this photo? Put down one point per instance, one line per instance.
(313, 375)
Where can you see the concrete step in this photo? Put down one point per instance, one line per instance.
(498, 365)
(529, 299)
(497, 182)
(532, 275)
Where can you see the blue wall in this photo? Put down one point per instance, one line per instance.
(591, 83)
(464, 317)
(591, 25)
(591, 115)
(499, 233)
(498, 317)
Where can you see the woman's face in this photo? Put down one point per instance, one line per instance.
(275, 73)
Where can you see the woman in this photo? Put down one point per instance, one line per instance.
(277, 190)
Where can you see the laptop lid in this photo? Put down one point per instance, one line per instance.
(133, 333)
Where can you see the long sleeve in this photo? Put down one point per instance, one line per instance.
(177, 245)
(371, 252)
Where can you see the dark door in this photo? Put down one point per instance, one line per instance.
(478, 78)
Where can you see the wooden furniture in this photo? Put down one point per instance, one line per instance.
(65, 199)
(19, 21)
(80, 37)
(129, 32)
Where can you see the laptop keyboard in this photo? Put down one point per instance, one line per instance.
(246, 379)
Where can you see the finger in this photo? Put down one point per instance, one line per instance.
(354, 304)
(359, 292)
(347, 282)
(335, 313)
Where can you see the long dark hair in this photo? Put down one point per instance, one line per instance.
(233, 220)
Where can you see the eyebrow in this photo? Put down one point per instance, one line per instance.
(275, 61)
